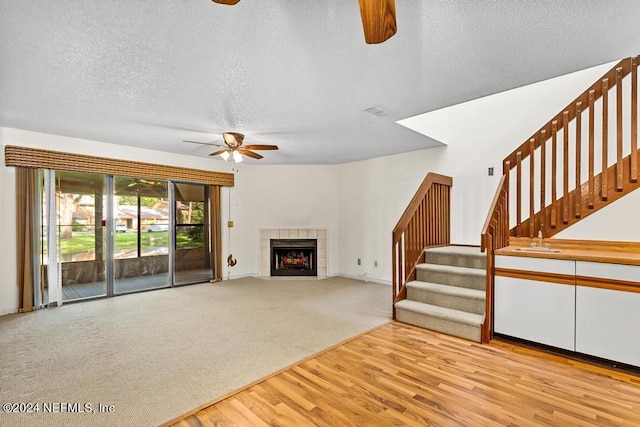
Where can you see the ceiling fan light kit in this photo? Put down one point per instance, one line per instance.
(233, 147)
(378, 18)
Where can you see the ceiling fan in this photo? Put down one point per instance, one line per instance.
(378, 18)
(233, 147)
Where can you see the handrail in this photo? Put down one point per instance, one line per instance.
(495, 235)
(425, 222)
(557, 166)
(583, 98)
(494, 211)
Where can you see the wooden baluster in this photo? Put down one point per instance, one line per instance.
(518, 192)
(604, 182)
(578, 193)
(565, 174)
(394, 268)
(591, 194)
(532, 223)
(619, 167)
(633, 175)
(423, 220)
(437, 217)
(433, 215)
(554, 172)
(543, 177)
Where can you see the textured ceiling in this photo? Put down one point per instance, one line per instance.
(150, 73)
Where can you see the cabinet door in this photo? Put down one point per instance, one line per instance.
(607, 324)
(536, 311)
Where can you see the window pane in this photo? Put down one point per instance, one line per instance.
(141, 239)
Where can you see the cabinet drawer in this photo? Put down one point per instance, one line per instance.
(544, 265)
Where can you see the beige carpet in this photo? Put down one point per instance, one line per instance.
(156, 355)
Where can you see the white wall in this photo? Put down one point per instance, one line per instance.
(617, 222)
(284, 196)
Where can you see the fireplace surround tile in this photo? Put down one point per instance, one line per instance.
(280, 233)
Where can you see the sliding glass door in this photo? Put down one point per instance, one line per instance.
(80, 234)
(141, 234)
(192, 252)
(109, 235)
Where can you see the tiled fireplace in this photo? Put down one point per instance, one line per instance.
(296, 237)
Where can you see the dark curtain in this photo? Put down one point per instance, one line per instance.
(216, 233)
(27, 234)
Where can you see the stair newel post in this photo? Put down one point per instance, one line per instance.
(506, 201)
(394, 271)
(487, 326)
(519, 193)
(565, 173)
(578, 194)
(604, 182)
(633, 175)
(554, 172)
(619, 168)
(592, 132)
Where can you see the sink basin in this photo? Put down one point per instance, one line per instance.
(539, 249)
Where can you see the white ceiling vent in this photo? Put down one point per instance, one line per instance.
(376, 111)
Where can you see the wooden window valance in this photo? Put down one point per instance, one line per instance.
(55, 160)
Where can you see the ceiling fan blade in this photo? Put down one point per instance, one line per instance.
(229, 2)
(218, 152)
(203, 143)
(378, 20)
(260, 147)
(249, 153)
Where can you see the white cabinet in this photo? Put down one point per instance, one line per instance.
(580, 306)
(535, 311)
(606, 319)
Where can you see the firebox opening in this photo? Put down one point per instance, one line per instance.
(294, 257)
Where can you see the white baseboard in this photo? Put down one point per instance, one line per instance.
(239, 276)
(365, 278)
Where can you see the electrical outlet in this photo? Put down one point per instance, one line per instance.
(359, 262)
(375, 263)
(490, 171)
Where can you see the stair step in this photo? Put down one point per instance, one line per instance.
(461, 256)
(464, 277)
(446, 320)
(463, 299)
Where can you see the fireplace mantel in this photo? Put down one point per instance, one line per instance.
(292, 233)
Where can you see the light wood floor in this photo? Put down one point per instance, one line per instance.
(401, 375)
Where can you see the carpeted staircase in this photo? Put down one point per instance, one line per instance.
(449, 293)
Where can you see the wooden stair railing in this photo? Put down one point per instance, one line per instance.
(495, 235)
(425, 222)
(556, 158)
(587, 178)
